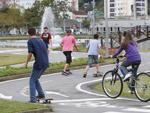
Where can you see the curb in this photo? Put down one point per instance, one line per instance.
(45, 110)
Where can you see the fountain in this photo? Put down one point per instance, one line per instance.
(48, 21)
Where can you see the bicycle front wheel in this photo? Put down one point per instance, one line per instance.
(142, 87)
(112, 84)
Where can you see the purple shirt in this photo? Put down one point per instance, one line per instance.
(131, 52)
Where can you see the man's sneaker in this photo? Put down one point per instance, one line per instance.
(68, 71)
(98, 74)
(127, 77)
(65, 73)
(84, 75)
(40, 97)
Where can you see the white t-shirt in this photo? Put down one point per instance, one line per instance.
(94, 46)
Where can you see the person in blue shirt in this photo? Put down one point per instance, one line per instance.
(36, 48)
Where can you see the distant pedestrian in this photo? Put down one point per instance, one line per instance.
(46, 36)
(93, 49)
(36, 48)
(68, 43)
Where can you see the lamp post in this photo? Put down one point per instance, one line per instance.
(146, 9)
(106, 28)
(93, 18)
(134, 10)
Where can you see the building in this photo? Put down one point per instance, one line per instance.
(22, 3)
(3, 3)
(74, 4)
(122, 8)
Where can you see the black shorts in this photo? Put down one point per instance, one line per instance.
(68, 56)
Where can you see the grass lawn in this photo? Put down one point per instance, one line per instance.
(98, 87)
(142, 80)
(9, 59)
(7, 106)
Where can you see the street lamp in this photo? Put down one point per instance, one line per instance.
(106, 28)
(93, 18)
(146, 9)
(134, 10)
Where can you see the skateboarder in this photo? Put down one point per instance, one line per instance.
(36, 48)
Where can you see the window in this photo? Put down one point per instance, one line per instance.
(112, 14)
(112, 5)
(112, 0)
(112, 10)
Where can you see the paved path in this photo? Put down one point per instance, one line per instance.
(72, 95)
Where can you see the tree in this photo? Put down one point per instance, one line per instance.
(11, 18)
(61, 9)
(33, 15)
(86, 23)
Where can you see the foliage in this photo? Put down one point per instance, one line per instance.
(60, 9)
(54, 67)
(86, 23)
(11, 18)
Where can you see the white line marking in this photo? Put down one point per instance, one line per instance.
(56, 93)
(5, 97)
(112, 112)
(79, 88)
(80, 100)
(148, 106)
(137, 110)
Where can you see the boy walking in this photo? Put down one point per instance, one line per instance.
(67, 44)
(36, 48)
(93, 53)
(46, 36)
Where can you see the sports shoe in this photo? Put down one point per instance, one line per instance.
(40, 97)
(65, 73)
(127, 76)
(98, 74)
(68, 71)
(84, 75)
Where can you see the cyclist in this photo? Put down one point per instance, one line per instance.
(132, 55)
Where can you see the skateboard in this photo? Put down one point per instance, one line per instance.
(44, 101)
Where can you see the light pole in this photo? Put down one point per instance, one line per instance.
(146, 9)
(93, 18)
(134, 10)
(106, 28)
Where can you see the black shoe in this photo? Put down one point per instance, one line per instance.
(84, 75)
(98, 74)
(65, 73)
(68, 71)
(40, 97)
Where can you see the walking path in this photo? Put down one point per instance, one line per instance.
(71, 94)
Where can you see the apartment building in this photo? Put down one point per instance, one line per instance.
(122, 8)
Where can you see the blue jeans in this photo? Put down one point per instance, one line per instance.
(125, 64)
(35, 84)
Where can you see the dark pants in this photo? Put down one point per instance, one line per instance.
(68, 56)
(124, 70)
(135, 66)
(35, 84)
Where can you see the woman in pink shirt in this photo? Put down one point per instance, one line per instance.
(68, 42)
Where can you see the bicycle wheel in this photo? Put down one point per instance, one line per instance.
(142, 87)
(112, 84)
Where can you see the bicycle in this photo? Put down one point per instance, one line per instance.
(112, 84)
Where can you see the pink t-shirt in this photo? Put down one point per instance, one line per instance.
(68, 43)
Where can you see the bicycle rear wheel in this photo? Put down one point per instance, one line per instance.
(142, 87)
(112, 84)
